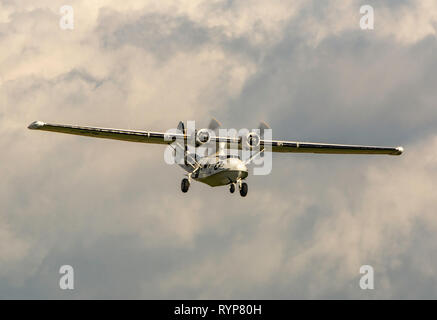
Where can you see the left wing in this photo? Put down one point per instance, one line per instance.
(108, 133)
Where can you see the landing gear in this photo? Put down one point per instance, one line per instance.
(185, 185)
(243, 189)
(232, 188)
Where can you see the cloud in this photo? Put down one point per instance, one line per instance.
(114, 210)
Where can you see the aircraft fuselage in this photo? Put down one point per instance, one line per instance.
(221, 171)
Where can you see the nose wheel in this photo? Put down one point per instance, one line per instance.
(185, 185)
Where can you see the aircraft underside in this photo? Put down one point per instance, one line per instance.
(223, 178)
(232, 178)
(218, 172)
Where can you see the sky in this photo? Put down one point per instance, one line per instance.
(114, 210)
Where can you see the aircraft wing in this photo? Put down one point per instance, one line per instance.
(107, 133)
(311, 147)
(167, 138)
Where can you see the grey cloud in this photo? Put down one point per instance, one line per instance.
(164, 35)
(353, 87)
(160, 34)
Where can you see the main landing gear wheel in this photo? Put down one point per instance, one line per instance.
(243, 189)
(185, 185)
(232, 188)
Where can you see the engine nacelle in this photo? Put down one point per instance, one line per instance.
(252, 140)
(202, 136)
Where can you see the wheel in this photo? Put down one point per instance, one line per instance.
(185, 185)
(232, 188)
(243, 189)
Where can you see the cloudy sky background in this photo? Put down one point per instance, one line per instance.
(114, 210)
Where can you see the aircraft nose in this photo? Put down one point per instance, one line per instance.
(241, 166)
(236, 164)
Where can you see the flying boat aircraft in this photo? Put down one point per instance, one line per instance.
(218, 168)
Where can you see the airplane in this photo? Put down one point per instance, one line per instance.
(219, 168)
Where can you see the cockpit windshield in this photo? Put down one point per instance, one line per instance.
(230, 156)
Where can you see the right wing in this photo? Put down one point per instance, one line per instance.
(327, 148)
(108, 133)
